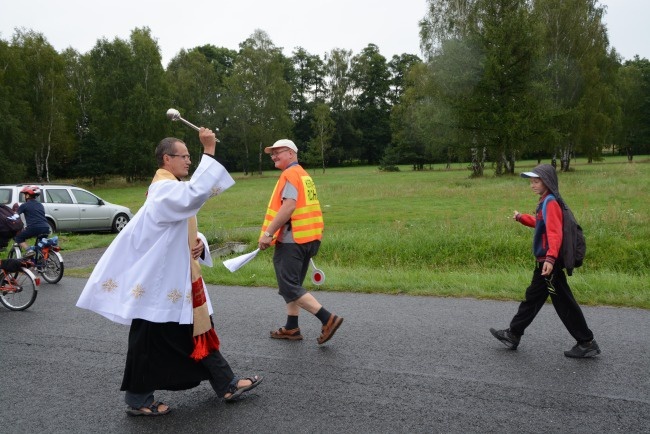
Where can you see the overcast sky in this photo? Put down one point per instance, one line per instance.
(317, 26)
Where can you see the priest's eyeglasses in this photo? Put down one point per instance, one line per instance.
(185, 157)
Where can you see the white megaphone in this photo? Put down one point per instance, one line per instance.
(317, 276)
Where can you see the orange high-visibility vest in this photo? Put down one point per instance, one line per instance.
(307, 219)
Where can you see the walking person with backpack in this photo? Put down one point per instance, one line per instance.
(548, 276)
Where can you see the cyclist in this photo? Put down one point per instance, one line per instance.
(35, 220)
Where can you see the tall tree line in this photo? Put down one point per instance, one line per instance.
(500, 80)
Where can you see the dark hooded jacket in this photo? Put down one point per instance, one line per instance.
(573, 246)
(547, 239)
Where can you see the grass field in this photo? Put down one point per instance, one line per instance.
(437, 232)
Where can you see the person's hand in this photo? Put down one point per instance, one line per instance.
(547, 269)
(515, 215)
(197, 250)
(265, 242)
(209, 140)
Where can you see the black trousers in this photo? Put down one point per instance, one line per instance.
(221, 377)
(565, 305)
(158, 358)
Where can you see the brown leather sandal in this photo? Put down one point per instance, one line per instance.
(283, 333)
(330, 328)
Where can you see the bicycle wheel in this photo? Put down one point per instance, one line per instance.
(18, 290)
(52, 271)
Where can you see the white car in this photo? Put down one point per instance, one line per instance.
(69, 208)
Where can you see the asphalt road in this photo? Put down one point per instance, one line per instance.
(397, 364)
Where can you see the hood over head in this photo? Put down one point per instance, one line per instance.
(548, 175)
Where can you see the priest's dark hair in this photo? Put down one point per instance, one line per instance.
(165, 147)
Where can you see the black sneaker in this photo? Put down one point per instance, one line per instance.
(583, 351)
(508, 338)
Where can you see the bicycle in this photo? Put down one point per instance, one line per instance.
(47, 260)
(18, 286)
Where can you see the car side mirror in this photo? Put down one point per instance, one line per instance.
(101, 202)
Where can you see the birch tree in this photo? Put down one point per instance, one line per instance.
(47, 97)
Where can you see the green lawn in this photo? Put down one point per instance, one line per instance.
(437, 232)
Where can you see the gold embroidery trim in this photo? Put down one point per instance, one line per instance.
(174, 295)
(138, 291)
(109, 285)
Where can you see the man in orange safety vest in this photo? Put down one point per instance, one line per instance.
(294, 224)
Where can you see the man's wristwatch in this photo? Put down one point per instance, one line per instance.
(266, 234)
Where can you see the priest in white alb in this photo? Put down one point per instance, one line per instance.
(150, 278)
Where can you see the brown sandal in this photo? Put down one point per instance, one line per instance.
(330, 328)
(283, 333)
